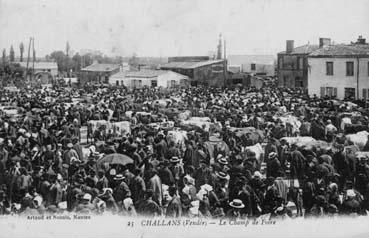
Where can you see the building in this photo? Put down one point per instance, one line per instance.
(44, 72)
(99, 73)
(200, 69)
(340, 71)
(148, 78)
(292, 65)
(253, 64)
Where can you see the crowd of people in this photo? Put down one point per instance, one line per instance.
(213, 172)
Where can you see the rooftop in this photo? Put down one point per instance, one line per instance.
(342, 50)
(101, 67)
(143, 73)
(255, 59)
(189, 65)
(39, 65)
(304, 49)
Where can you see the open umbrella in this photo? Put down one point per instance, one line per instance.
(116, 159)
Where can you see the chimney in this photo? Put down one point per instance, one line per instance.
(289, 46)
(225, 50)
(361, 40)
(324, 42)
(219, 53)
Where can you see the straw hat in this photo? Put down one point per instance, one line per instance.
(222, 175)
(237, 203)
(174, 159)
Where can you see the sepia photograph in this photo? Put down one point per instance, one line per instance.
(184, 118)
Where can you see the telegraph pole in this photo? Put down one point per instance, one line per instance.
(33, 56)
(29, 48)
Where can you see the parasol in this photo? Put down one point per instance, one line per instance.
(116, 159)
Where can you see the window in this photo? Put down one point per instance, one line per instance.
(285, 80)
(137, 83)
(349, 93)
(365, 93)
(172, 83)
(301, 63)
(253, 66)
(154, 83)
(237, 80)
(328, 91)
(368, 68)
(280, 63)
(117, 83)
(329, 68)
(299, 83)
(350, 68)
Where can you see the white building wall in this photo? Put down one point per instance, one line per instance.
(165, 80)
(318, 78)
(259, 68)
(122, 81)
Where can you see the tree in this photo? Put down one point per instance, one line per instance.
(67, 49)
(11, 54)
(77, 62)
(133, 61)
(87, 59)
(4, 56)
(60, 59)
(21, 49)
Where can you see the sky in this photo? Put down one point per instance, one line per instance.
(165, 28)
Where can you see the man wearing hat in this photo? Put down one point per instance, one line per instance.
(176, 169)
(121, 191)
(235, 211)
(221, 189)
(297, 163)
(148, 207)
(342, 165)
(138, 187)
(102, 181)
(69, 153)
(3, 159)
(78, 148)
(85, 206)
(274, 168)
(161, 146)
(189, 155)
(166, 174)
(330, 131)
(155, 185)
(132, 152)
(174, 208)
(270, 147)
(56, 190)
(223, 163)
(106, 195)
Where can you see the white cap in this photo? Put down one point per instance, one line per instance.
(87, 196)
(113, 172)
(257, 174)
(62, 205)
(39, 200)
(127, 203)
(350, 193)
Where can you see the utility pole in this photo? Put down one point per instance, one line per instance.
(29, 48)
(34, 56)
(225, 63)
